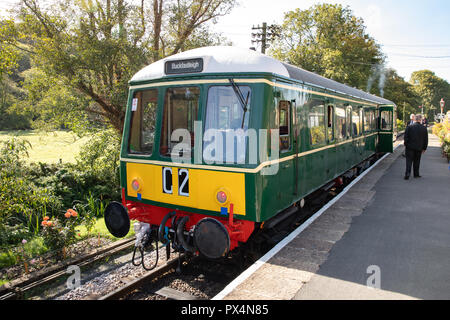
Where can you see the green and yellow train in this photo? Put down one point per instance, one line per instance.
(219, 141)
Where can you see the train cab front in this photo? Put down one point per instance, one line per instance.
(181, 181)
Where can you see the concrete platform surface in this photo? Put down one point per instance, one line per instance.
(386, 238)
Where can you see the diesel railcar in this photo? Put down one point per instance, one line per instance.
(219, 141)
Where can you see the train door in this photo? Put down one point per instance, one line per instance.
(286, 174)
(349, 146)
(386, 128)
(315, 162)
(331, 153)
(296, 146)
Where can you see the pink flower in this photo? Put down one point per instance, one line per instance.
(24, 241)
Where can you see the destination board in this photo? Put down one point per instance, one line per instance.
(184, 66)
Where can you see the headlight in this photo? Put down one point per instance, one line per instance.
(222, 197)
(136, 184)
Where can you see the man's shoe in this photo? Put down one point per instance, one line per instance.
(417, 176)
(406, 177)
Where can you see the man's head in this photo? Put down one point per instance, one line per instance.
(418, 118)
(412, 117)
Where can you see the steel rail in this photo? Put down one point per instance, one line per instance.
(135, 284)
(16, 291)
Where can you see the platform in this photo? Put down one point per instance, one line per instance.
(384, 232)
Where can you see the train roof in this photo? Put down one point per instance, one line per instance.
(226, 59)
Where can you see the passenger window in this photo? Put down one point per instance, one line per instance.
(284, 109)
(361, 121)
(355, 124)
(316, 122)
(367, 119)
(330, 124)
(340, 123)
(349, 121)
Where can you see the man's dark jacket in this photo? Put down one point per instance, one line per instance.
(416, 137)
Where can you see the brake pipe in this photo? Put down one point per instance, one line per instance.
(180, 235)
(161, 228)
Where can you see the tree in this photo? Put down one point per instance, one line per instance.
(8, 61)
(53, 105)
(96, 46)
(402, 93)
(431, 89)
(329, 40)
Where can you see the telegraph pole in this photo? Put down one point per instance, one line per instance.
(267, 33)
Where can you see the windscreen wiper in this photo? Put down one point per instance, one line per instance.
(243, 102)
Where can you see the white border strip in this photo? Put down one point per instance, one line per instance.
(247, 273)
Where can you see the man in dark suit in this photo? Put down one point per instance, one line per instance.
(416, 142)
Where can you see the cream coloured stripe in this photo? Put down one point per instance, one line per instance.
(286, 86)
(271, 83)
(233, 169)
(176, 83)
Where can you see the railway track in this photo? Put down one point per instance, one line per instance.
(152, 288)
(197, 280)
(19, 290)
(163, 282)
(137, 283)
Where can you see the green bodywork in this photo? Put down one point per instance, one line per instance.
(267, 195)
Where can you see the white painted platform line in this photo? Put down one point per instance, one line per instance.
(250, 270)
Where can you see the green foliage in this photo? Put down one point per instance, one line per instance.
(94, 47)
(402, 93)
(94, 175)
(400, 125)
(430, 89)
(52, 104)
(91, 211)
(8, 54)
(21, 201)
(442, 130)
(329, 40)
(58, 234)
(13, 234)
(32, 193)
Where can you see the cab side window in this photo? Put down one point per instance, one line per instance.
(386, 120)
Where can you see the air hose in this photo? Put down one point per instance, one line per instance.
(180, 235)
(141, 250)
(162, 226)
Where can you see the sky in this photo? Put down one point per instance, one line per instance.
(413, 34)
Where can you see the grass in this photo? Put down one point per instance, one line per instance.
(49, 147)
(100, 228)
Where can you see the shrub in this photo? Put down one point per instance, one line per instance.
(400, 125)
(21, 201)
(57, 234)
(442, 130)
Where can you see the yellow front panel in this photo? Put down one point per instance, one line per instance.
(203, 187)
